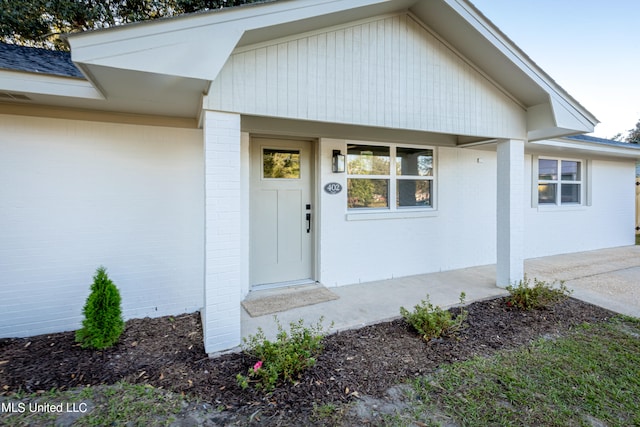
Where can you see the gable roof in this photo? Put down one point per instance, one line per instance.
(36, 60)
(152, 60)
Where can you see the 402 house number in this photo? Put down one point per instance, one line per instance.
(333, 188)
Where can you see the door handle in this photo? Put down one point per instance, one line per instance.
(308, 222)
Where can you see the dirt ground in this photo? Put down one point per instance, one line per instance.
(356, 366)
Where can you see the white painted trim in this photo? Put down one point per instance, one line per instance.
(400, 214)
(588, 201)
(22, 82)
(559, 182)
(393, 211)
(595, 148)
(534, 181)
(561, 208)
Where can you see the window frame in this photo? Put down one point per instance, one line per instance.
(392, 178)
(559, 182)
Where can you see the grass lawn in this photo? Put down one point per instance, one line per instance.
(587, 378)
(119, 404)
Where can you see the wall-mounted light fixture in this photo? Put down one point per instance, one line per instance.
(338, 161)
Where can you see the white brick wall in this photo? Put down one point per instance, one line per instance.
(463, 232)
(510, 212)
(221, 316)
(460, 234)
(608, 222)
(75, 195)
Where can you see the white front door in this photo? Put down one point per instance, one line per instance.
(281, 224)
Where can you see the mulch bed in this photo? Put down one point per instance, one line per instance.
(168, 352)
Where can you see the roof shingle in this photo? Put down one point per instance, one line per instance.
(36, 60)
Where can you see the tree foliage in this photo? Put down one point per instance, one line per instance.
(634, 134)
(41, 22)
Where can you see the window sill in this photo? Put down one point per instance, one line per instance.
(565, 208)
(400, 214)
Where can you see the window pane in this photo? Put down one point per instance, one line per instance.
(413, 192)
(570, 170)
(368, 160)
(547, 193)
(570, 193)
(547, 169)
(367, 193)
(280, 163)
(412, 161)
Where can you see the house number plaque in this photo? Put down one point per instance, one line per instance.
(333, 188)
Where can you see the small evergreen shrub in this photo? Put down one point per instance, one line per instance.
(102, 324)
(434, 322)
(540, 295)
(285, 358)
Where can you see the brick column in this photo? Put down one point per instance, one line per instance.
(222, 267)
(510, 213)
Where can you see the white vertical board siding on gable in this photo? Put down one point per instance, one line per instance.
(388, 72)
(75, 195)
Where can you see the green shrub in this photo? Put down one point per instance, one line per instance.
(102, 324)
(433, 322)
(540, 295)
(285, 358)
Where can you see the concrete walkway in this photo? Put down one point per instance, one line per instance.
(609, 278)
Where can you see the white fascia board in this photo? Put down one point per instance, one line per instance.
(586, 146)
(195, 45)
(508, 48)
(554, 119)
(38, 84)
(193, 53)
(567, 117)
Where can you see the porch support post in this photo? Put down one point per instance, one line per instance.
(222, 227)
(510, 213)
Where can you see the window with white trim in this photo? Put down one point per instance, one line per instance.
(560, 182)
(390, 177)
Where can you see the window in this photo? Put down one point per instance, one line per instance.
(280, 163)
(389, 177)
(559, 182)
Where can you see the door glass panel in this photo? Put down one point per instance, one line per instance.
(280, 163)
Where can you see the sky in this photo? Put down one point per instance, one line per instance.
(591, 48)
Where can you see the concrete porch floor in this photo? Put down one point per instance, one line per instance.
(608, 277)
